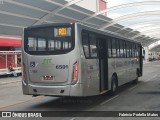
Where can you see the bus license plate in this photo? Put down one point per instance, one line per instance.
(48, 78)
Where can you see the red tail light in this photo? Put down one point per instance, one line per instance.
(23, 71)
(75, 73)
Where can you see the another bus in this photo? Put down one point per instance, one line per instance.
(71, 59)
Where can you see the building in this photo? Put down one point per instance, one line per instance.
(93, 5)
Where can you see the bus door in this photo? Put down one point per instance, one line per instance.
(103, 62)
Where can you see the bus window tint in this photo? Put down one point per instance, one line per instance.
(93, 46)
(137, 50)
(118, 49)
(51, 45)
(43, 40)
(109, 48)
(65, 45)
(127, 49)
(133, 50)
(41, 44)
(32, 44)
(114, 50)
(85, 44)
(57, 45)
(122, 49)
(130, 48)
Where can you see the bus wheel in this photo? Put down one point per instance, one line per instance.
(114, 86)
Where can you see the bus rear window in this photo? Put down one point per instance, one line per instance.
(48, 40)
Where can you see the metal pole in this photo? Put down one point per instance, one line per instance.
(6, 60)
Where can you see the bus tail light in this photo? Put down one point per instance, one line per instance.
(75, 73)
(23, 72)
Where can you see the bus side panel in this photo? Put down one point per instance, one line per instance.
(91, 77)
(125, 68)
(77, 89)
(89, 71)
(130, 71)
(25, 88)
(135, 65)
(111, 70)
(115, 67)
(122, 70)
(25, 74)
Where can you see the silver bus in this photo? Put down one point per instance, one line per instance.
(71, 59)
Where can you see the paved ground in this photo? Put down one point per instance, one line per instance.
(145, 96)
(7, 80)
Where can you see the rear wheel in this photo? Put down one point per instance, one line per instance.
(114, 86)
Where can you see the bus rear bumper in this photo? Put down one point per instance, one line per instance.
(67, 90)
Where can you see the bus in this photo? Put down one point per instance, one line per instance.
(72, 59)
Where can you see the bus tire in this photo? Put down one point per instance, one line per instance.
(114, 86)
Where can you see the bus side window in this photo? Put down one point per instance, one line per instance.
(41, 44)
(93, 46)
(114, 50)
(32, 44)
(130, 49)
(133, 50)
(137, 51)
(118, 48)
(121, 48)
(85, 44)
(65, 45)
(51, 45)
(127, 49)
(57, 45)
(109, 48)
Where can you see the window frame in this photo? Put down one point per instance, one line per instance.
(109, 39)
(88, 34)
(56, 52)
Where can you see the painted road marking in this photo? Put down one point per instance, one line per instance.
(73, 119)
(109, 100)
(134, 87)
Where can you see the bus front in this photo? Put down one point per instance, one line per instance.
(50, 65)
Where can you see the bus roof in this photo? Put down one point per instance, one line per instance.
(108, 33)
